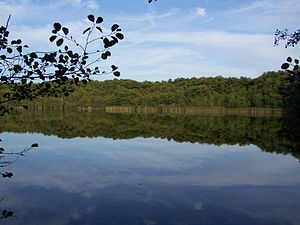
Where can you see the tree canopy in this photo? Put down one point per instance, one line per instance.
(272, 89)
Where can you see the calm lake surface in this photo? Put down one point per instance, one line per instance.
(135, 169)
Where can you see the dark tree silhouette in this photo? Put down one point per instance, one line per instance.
(55, 71)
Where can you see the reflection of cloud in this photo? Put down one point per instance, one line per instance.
(69, 166)
(198, 206)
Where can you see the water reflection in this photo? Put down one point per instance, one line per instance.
(162, 178)
(271, 134)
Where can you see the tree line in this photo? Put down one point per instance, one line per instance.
(270, 90)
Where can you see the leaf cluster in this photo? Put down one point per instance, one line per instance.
(291, 40)
(55, 70)
(6, 213)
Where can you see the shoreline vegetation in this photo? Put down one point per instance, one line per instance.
(272, 90)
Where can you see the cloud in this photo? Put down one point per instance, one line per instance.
(253, 6)
(85, 4)
(201, 11)
(165, 55)
(160, 44)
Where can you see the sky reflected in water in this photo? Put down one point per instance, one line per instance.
(148, 181)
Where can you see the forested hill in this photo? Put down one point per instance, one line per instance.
(272, 89)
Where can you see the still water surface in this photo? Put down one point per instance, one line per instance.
(141, 179)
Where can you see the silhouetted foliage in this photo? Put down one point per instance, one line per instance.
(291, 39)
(6, 213)
(56, 71)
(8, 158)
(291, 65)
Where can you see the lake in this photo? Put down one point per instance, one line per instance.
(136, 168)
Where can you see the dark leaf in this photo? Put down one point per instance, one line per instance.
(4, 78)
(296, 61)
(57, 26)
(52, 38)
(9, 50)
(25, 106)
(100, 29)
(114, 67)
(86, 30)
(35, 145)
(7, 174)
(59, 42)
(106, 41)
(65, 30)
(99, 19)
(289, 59)
(284, 66)
(120, 36)
(114, 27)
(104, 56)
(115, 39)
(9, 214)
(19, 49)
(117, 73)
(33, 55)
(91, 18)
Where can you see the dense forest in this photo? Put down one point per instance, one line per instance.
(270, 90)
(272, 134)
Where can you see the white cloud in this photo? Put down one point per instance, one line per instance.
(201, 11)
(85, 4)
(175, 42)
(253, 6)
(164, 55)
(272, 6)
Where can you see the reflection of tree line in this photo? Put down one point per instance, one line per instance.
(272, 134)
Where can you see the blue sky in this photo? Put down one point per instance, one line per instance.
(170, 38)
